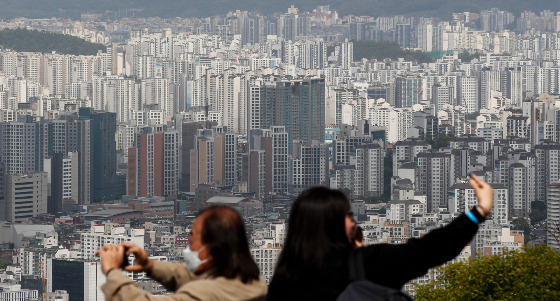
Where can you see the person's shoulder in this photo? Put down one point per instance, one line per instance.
(281, 289)
(221, 288)
(373, 250)
(279, 283)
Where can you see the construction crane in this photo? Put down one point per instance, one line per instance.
(44, 282)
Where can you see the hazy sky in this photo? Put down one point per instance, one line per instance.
(190, 8)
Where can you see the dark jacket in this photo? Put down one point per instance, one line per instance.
(391, 265)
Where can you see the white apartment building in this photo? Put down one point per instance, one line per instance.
(126, 136)
(462, 198)
(101, 235)
(494, 239)
(407, 151)
(267, 250)
(25, 196)
(266, 258)
(14, 292)
(400, 210)
(553, 216)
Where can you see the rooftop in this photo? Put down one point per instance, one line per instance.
(220, 199)
(32, 230)
(111, 212)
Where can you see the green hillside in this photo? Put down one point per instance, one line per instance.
(24, 40)
(384, 49)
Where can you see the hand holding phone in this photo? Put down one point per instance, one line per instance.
(125, 261)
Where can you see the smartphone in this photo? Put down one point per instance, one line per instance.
(125, 261)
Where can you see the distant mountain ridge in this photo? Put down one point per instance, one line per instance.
(204, 8)
(24, 40)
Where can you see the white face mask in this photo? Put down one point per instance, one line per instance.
(192, 259)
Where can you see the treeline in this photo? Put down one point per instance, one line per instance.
(184, 8)
(467, 57)
(529, 274)
(382, 50)
(24, 40)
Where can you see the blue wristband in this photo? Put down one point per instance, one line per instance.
(472, 217)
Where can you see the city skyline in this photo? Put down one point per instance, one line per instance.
(249, 110)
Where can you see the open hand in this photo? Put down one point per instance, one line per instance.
(484, 194)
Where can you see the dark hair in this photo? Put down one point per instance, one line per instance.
(223, 232)
(315, 227)
(357, 234)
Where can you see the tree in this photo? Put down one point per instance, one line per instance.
(441, 141)
(472, 116)
(382, 210)
(466, 57)
(385, 49)
(522, 224)
(532, 274)
(384, 198)
(538, 212)
(4, 262)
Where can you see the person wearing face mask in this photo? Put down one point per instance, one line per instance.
(218, 264)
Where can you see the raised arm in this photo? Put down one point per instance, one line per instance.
(394, 265)
(484, 194)
(120, 287)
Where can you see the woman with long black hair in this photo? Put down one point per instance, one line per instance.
(314, 262)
